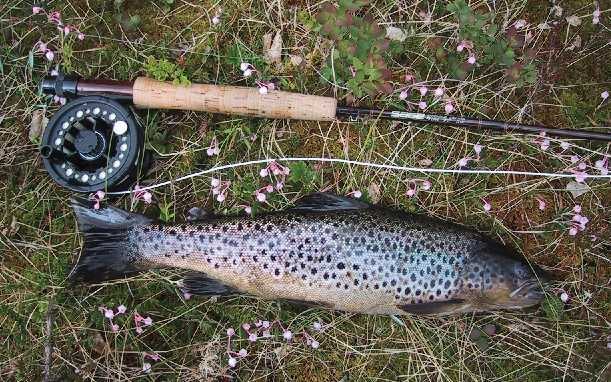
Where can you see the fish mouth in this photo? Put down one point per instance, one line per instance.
(528, 293)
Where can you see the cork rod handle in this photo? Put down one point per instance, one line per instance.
(149, 93)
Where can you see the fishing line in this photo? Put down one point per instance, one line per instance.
(359, 163)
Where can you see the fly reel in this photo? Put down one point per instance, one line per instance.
(93, 143)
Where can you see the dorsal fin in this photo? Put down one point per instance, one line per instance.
(325, 202)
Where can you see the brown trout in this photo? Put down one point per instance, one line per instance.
(329, 250)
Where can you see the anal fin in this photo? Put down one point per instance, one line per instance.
(200, 284)
(436, 307)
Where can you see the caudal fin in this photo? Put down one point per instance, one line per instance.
(107, 252)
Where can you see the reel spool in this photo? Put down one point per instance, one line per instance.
(94, 143)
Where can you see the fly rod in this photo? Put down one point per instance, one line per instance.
(93, 142)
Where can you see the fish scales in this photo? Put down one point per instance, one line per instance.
(353, 258)
(364, 261)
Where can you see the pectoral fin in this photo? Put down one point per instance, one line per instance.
(200, 284)
(437, 307)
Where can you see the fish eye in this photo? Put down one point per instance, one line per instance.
(521, 271)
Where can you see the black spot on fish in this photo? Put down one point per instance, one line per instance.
(398, 289)
(172, 232)
(384, 283)
(277, 272)
(265, 266)
(376, 286)
(418, 292)
(364, 276)
(356, 282)
(302, 265)
(314, 271)
(447, 284)
(257, 226)
(338, 285)
(345, 286)
(310, 258)
(438, 292)
(431, 297)
(325, 276)
(355, 267)
(294, 269)
(340, 265)
(407, 290)
(216, 265)
(328, 258)
(333, 275)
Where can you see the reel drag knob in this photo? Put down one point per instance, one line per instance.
(93, 143)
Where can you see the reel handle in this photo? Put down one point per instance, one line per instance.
(149, 93)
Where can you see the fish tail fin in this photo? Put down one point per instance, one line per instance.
(107, 251)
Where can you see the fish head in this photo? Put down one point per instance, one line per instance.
(504, 281)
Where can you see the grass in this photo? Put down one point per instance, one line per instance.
(38, 239)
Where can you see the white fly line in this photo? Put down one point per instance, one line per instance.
(422, 170)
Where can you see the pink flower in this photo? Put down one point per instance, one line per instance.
(315, 344)
(449, 108)
(55, 17)
(478, 148)
(80, 36)
(232, 362)
(187, 295)
(582, 166)
(565, 145)
(542, 203)
(49, 55)
(60, 100)
(214, 182)
(422, 105)
(252, 337)
(317, 326)
(146, 367)
(411, 191)
(544, 144)
(580, 176)
(471, 59)
(564, 297)
(242, 353)
(248, 72)
(152, 356)
(269, 188)
(114, 328)
(265, 324)
(602, 165)
(357, 194)
(97, 198)
(409, 78)
(263, 173)
(287, 335)
(463, 162)
(108, 313)
(426, 185)
(519, 24)
(36, 10)
(439, 92)
(246, 327)
(262, 90)
(248, 210)
(260, 197)
(216, 20)
(147, 321)
(121, 309)
(221, 197)
(573, 231)
(577, 208)
(423, 90)
(403, 95)
(140, 194)
(230, 332)
(487, 205)
(66, 29)
(604, 95)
